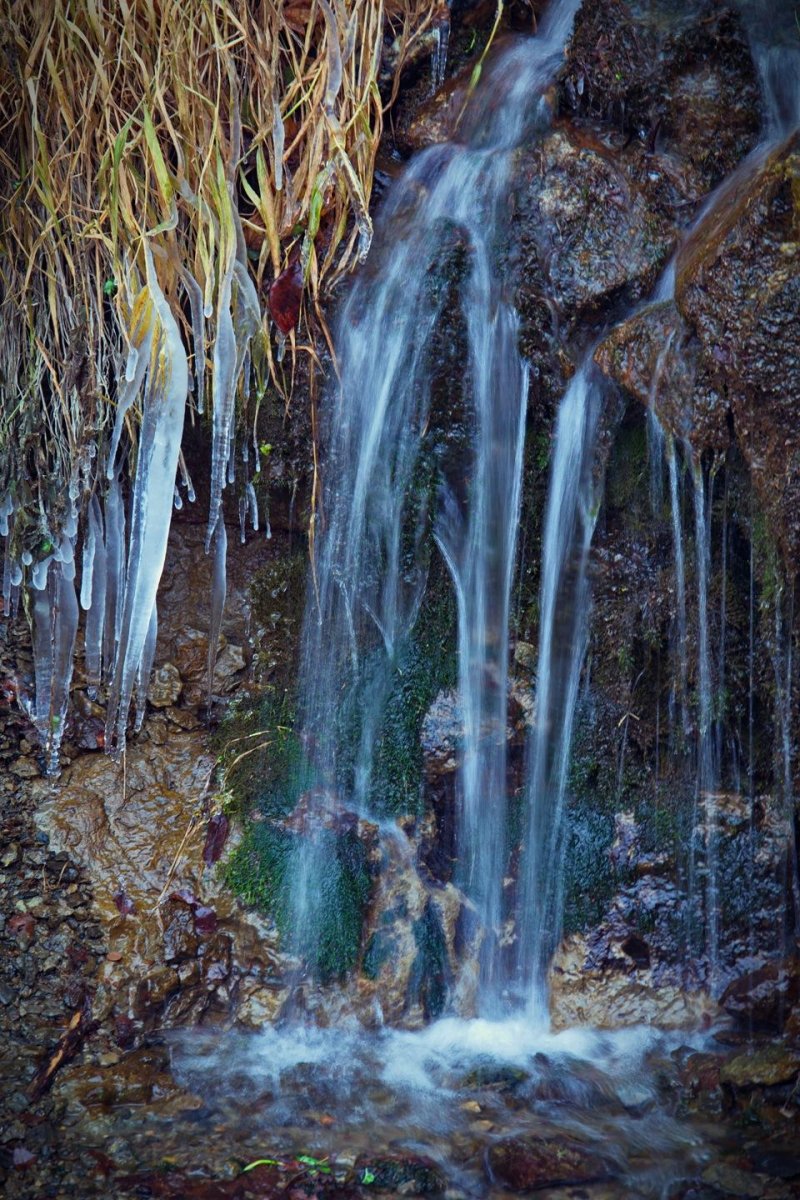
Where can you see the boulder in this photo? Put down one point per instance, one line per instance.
(586, 232)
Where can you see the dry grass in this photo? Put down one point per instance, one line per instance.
(189, 123)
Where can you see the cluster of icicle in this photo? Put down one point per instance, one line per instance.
(123, 553)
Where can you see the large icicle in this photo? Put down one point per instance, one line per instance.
(115, 573)
(151, 508)
(145, 669)
(55, 624)
(238, 318)
(96, 615)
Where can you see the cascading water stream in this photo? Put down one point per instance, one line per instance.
(569, 524)
(373, 558)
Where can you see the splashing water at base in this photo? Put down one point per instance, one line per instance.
(449, 1092)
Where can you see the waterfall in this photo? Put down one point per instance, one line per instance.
(569, 523)
(389, 482)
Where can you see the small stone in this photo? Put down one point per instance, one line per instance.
(10, 855)
(24, 768)
(733, 1181)
(166, 686)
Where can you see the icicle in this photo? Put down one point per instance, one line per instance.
(39, 573)
(252, 502)
(218, 592)
(6, 509)
(439, 57)
(145, 670)
(55, 624)
(238, 319)
(177, 503)
(115, 573)
(151, 509)
(195, 294)
(242, 519)
(87, 570)
(139, 358)
(96, 614)
(27, 558)
(277, 143)
(187, 479)
(223, 384)
(7, 579)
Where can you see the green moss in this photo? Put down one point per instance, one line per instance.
(626, 476)
(260, 754)
(262, 869)
(428, 982)
(277, 594)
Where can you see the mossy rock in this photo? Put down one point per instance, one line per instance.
(263, 869)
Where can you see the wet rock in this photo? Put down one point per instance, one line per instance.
(738, 287)
(609, 67)
(435, 120)
(531, 1163)
(597, 238)
(442, 728)
(763, 998)
(693, 90)
(402, 1175)
(655, 358)
(180, 940)
(733, 1181)
(771, 1065)
(709, 104)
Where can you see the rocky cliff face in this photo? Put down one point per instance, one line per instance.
(648, 114)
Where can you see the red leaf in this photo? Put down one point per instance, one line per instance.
(124, 1031)
(216, 837)
(285, 295)
(124, 903)
(205, 919)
